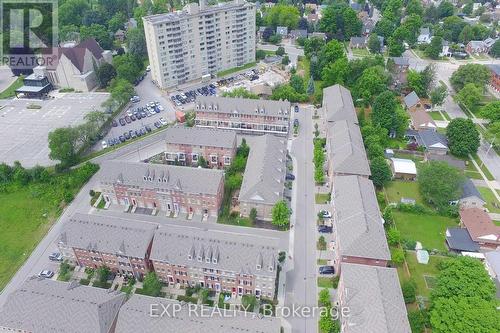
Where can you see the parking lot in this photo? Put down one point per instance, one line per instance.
(24, 135)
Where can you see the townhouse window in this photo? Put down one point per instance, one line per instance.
(258, 267)
(227, 160)
(213, 158)
(207, 260)
(194, 157)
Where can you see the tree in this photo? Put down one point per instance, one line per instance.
(464, 314)
(99, 33)
(438, 95)
(281, 214)
(387, 113)
(434, 48)
(467, 9)
(340, 20)
(452, 27)
(121, 90)
(418, 320)
(297, 83)
(260, 54)
(63, 146)
(253, 214)
(128, 67)
(151, 285)
(267, 33)
(470, 73)
(327, 324)
(495, 49)
(336, 72)
(105, 73)
(324, 297)
(280, 51)
(285, 61)
(116, 22)
(240, 92)
(332, 51)
(312, 46)
(310, 87)
(72, 12)
(393, 237)
(286, 92)
(381, 173)
(445, 9)
(463, 137)
(372, 82)
(470, 96)
(282, 15)
(409, 289)
(491, 111)
(414, 7)
(136, 41)
(416, 83)
(397, 256)
(440, 183)
(103, 274)
(202, 162)
(374, 44)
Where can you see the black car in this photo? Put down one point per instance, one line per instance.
(132, 134)
(325, 229)
(126, 135)
(142, 131)
(122, 138)
(133, 118)
(147, 128)
(122, 121)
(289, 176)
(295, 122)
(296, 108)
(157, 124)
(326, 270)
(128, 120)
(114, 123)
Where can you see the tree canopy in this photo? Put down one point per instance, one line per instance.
(381, 173)
(470, 73)
(440, 183)
(282, 15)
(281, 214)
(463, 137)
(340, 20)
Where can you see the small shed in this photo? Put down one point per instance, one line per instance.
(403, 169)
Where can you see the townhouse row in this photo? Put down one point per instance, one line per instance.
(181, 256)
(367, 287)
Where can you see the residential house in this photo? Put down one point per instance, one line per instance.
(45, 305)
(222, 261)
(477, 47)
(95, 241)
(400, 69)
(320, 35)
(470, 196)
(144, 314)
(131, 24)
(480, 227)
(445, 49)
(419, 118)
(495, 76)
(424, 36)
(264, 178)
(489, 42)
(432, 141)
(282, 31)
(243, 115)
(360, 236)
(75, 65)
(35, 85)
(374, 298)
(403, 169)
(338, 104)
(358, 42)
(298, 33)
(458, 239)
(170, 189)
(185, 146)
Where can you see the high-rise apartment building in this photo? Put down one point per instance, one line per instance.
(199, 41)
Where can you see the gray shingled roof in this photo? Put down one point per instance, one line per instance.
(357, 217)
(176, 178)
(43, 305)
(431, 138)
(243, 106)
(298, 33)
(411, 99)
(234, 252)
(358, 40)
(200, 136)
(470, 190)
(135, 317)
(108, 234)
(458, 239)
(495, 68)
(401, 61)
(373, 296)
(346, 149)
(338, 104)
(264, 177)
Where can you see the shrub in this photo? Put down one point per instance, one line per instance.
(409, 289)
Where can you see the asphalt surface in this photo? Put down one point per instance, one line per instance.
(6, 78)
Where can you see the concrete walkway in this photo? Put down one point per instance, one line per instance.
(488, 183)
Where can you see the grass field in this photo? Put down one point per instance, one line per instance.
(436, 115)
(399, 189)
(322, 198)
(414, 158)
(490, 199)
(235, 69)
(428, 229)
(361, 52)
(10, 91)
(483, 167)
(26, 214)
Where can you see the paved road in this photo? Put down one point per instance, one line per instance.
(292, 52)
(6, 78)
(301, 287)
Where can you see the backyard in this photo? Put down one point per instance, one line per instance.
(400, 189)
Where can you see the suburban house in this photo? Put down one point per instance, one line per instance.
(374, 298)
(138, 315)
(403, 169)
(264, 178)
(75, 65)
(480, 227)
(400, 70)
(244, 115)
(94, 241)
(35, 85)
(445, 49)
(170, 189)
(346, 151)
(419, 118)
(238, 263)
(185, 146)
(424, 36)
(368, 25)
(495, 76)
(298, 33)
(282, 31)
(358, 42)
(45, 305)
(458, 239)
(338, 104)
(433, 142)
(470, 196)
(477, 47)
(360, 236)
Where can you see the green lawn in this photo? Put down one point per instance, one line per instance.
(483, 167)
(420, 273)
(10, 91)
(322, 262)
(414, 158)
(239, 221)
(360, 52)
(399, 189)
(428, 229)
(325, 282)
(236, 69)
(26, 214)
(497, 223)
(490, 199)
(322, 198)
(435, 115)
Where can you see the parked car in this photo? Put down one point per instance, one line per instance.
(135, 99)
(296, 107)
(148, 68)
(128, 120)
(326, 214)
(295, 122)
(122, 121)
(56, 256)
(121, 138)
(133, 118)
(104, 144)
(163, 121)
(325, 229)
(157, 124)
(142, 131)
(126, 135)
(46, 274)
(326, 270)
(114, 123)
(289, 176)
(148, 128)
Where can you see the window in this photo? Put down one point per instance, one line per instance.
(258, 267)
(227, 160)
(213, 158)
(194, 157)
(207, 260)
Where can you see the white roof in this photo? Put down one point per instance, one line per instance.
(402, 165)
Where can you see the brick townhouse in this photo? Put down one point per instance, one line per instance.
(495, 76)
(185, 145)
(170, 189)
(243, 114)
(95, 241)
(222, 261)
